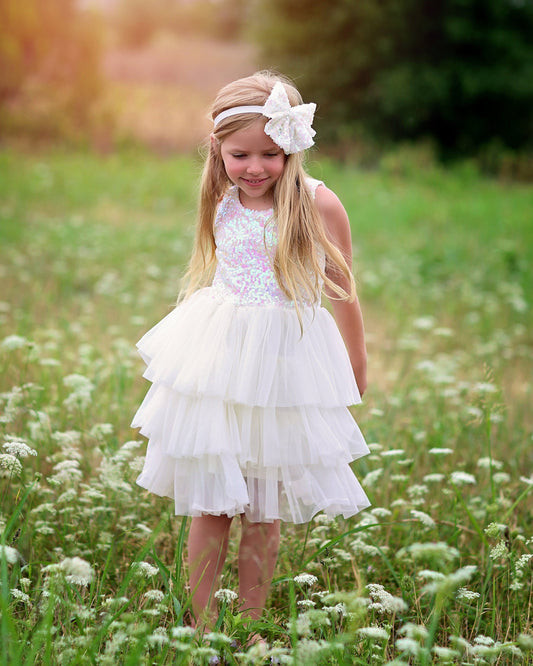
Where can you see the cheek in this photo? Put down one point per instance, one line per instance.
(280, 166)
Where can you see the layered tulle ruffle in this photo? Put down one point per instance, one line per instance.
(247, 415)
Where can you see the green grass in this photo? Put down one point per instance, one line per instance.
(91, 253)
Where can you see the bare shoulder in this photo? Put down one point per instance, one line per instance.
(333, 214)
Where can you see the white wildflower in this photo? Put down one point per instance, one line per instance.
(392, 453)
(417, 490)
(527, 479)
(100, 430)
(408, 645)
(375, 633)
(66, 471)
(483, 640)
(485, 387)
(499, 551)
(46, 507)
(226, 596)
(464, 594)
(217, 637)
(523, 562)
(451, 581)
(77, 570)
(114, 602)
(158, 638)
(144, 569)
(460, 478)
(475, 412)
(429, 574)
(424, 323)
(9, 465)
(182, 632)
(67, 438)
(154, 595)
(19, 449)
(305, 579)
(9, 554)
(18, 595)
(432, 550)
(525, 641)
(487, 463)
(433, 478)
(13, 342)
(380, 512)
(383, 601)
(494, 530)
(305, 604)
(416, 631)
(82, 389)
(424, 518)
(443, 332)
(500, 478)
(444, 653)
(440, 451)
(372, 477)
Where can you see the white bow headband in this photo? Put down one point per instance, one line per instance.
(289, 126)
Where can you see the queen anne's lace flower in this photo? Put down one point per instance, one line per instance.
(19, 449)
(144, 569)
(305, 579)
(226, 596)
(9, 554)
(77, 570)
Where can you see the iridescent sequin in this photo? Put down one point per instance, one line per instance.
(246, 243)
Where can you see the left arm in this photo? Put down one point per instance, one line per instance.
(348, 315)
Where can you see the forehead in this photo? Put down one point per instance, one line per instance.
(252, 138)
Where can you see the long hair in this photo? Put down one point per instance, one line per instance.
(302, 241)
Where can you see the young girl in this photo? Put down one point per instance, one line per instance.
(248, 414)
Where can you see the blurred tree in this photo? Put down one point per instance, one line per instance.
(460, 71)
(50, 58)
(138, 21)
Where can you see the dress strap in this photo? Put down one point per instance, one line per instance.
(312, 184)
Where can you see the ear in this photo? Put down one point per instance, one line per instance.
(215, 143)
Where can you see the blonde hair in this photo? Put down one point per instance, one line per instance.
(302, 240)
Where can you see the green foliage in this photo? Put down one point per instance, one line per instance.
(49, 67)
(460, 72)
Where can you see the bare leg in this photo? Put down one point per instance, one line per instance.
(207, 548)
(258, 553)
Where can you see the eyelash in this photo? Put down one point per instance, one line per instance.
(266, 155)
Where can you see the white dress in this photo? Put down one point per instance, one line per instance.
(245, 414)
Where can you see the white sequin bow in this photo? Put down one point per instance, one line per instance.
(289, 126)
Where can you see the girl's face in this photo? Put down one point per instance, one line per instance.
(254, 163)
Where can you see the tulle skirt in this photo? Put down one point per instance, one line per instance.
(247, 414)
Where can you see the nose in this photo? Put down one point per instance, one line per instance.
(254, 167)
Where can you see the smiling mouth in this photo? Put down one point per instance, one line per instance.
(255, 181)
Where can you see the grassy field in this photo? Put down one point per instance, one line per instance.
(439, 570)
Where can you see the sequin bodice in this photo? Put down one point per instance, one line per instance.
(246, 243)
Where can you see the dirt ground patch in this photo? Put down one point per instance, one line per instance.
(161, 94)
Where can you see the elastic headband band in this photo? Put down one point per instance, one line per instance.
(289, 126)
(236, 110)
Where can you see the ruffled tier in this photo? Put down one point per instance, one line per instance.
(253, 355)
(246, 415)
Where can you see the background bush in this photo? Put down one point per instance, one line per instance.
(459, 71)
(49, 68)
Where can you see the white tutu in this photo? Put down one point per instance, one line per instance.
(247, 415)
